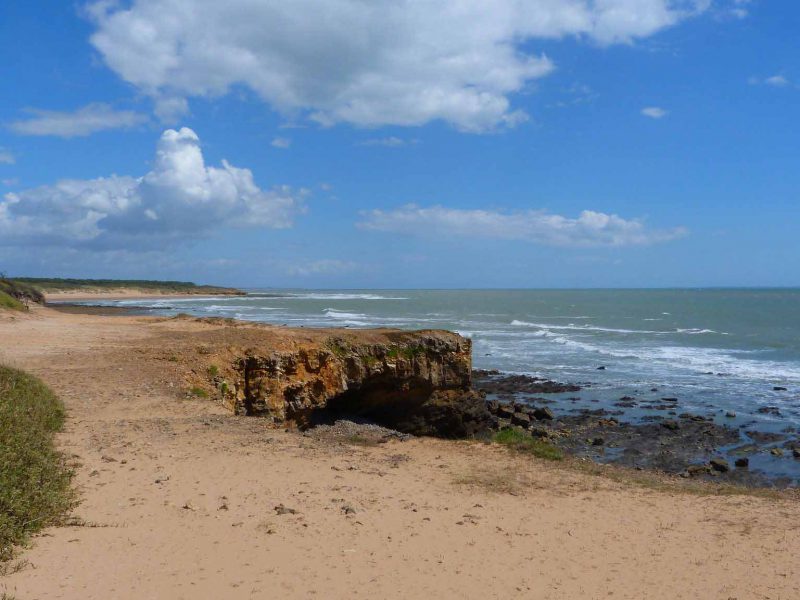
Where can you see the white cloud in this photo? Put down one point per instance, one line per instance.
(590, 228)
(281, 142)
(389, 142)
(6, 157)
(654, 112)
(773, 80)
(178, 200)
(84, 121)
(777, 81)
(365, 63)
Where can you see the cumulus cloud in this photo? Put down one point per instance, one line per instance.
(179, 199)
(654, 112)
(84, 121)
(365, 63)
(590, 228)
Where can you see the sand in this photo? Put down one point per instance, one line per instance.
(179, 497)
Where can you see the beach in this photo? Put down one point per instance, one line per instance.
(181, 499)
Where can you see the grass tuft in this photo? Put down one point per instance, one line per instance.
(198, 392)
(34, 481)
(521, 442)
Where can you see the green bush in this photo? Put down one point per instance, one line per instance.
(34, 481)
(9, 302)
(522, 442)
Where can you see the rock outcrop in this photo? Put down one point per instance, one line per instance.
(414, 381)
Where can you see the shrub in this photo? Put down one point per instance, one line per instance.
(10, 302)
(522, 442)
(34, 481)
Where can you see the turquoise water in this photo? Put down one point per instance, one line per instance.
(717, 350)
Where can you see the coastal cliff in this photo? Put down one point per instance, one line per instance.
(417, 382)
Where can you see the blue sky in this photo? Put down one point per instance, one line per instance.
(548, 143)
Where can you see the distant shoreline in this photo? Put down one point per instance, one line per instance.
(82, 295)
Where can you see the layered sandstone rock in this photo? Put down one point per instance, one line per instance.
(417, 381)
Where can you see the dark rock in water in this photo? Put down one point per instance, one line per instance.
(601, 368)
(653, 389)
(519, 384)
(543, 414)
(746, 449)
(720, 465)
(796, 452)
(485, 372)
(652, 419)
(522, 419)
(769, 410)
(730, 414)
(778, 388)
(765, 437)
(776, 452)
(742, 462)
(669, 399)
(598, 441)
(671, 425)
(625, 404)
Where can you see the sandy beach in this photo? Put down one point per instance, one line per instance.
(180, 499)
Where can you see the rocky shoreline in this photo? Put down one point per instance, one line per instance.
(667, 439)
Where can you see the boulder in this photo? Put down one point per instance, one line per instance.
(542, 413)
(522, 419)
(720, 465)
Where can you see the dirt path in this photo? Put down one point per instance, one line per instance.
(180, 501)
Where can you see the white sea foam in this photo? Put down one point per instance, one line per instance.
(700, 331)
(334, 296)
(573, 327)
(340, 314)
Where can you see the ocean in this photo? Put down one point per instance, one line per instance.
(719, 351)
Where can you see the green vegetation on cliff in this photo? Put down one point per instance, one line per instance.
(34, 481)
(16, 295)
(48, 285)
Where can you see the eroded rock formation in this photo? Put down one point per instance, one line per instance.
(417, 382)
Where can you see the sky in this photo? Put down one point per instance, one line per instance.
(419, 143)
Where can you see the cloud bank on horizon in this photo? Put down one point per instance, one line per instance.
(589, 229)
(180, 198)
(366, 64)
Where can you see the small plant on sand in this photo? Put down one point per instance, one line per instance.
(213, 371)
(522, 442)
(198, 392)
(34, 480)
(360, 440)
